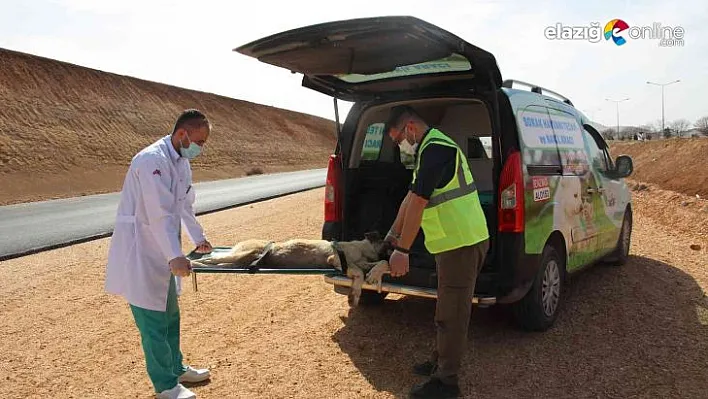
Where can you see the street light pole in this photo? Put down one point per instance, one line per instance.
(662, 99)
(618, 112)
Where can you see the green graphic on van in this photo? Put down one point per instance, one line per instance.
(565, 202)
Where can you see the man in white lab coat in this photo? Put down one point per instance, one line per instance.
(145, 257)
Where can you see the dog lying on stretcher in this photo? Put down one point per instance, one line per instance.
(365, 259)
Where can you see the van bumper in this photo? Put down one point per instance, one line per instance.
(342, 285)
(516, 269)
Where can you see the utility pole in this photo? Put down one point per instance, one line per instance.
(618, 112)
(662, 99)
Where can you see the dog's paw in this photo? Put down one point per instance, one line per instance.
(375, 275)
(373, 278)
(357, 276)
(353, 299)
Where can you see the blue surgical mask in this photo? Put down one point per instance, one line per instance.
(192, 151)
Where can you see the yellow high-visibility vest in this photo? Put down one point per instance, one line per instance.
(453, 217)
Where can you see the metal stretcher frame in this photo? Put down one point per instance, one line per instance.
(254, 267)
(331, 276)
(344, 282)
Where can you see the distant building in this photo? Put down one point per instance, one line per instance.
(694, 133)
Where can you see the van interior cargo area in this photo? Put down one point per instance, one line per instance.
(377, 178)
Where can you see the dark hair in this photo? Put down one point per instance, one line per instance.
(397, 114)
(191, 119)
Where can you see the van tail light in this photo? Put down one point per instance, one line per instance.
(333, 198)
(511, 196)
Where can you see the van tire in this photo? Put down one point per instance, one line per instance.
(372, 298)
(531, 312)
(621, 254)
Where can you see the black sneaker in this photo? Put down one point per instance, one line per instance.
(435, 388)
(425, 369)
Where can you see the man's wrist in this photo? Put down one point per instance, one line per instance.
(394, 234)
(401, 250)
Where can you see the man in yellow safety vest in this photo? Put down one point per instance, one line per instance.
(443, 201)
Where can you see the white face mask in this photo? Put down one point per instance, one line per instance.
(407, 148)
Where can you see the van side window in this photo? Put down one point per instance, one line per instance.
(601, 145)
(598, 158)
(372, 142)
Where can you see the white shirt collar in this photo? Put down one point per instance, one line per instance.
(174, 156)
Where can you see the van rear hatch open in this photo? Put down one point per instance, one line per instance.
(366, 58)
(378, 60)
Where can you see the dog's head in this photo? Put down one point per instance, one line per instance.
(382, 250)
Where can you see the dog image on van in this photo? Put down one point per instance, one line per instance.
(360, 256)
(570, 204)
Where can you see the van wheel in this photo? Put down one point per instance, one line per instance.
(537, 311)
(372, 298)
(621, 253)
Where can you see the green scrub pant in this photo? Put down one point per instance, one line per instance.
(159, 332)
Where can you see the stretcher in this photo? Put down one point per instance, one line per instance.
(341, 282)
(256, 266)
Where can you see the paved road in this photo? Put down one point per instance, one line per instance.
(33, 227)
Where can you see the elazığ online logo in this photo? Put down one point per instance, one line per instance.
(610, 31)
(618, 30)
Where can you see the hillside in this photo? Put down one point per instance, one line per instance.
(674, 164)
(67, 130)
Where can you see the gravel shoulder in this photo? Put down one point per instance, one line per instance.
(635, 331)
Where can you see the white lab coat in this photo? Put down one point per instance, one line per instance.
(157, 195)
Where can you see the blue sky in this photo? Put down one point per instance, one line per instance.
(189, 44)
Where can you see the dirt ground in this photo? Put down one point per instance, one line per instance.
(67, 131)
(674, 164)
(637, 331)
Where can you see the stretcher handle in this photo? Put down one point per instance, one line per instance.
(261, 271)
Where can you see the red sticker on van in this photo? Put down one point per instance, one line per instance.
(541, 189)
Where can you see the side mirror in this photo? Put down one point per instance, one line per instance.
(623, 166)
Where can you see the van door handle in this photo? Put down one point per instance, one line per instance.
(590, 191)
